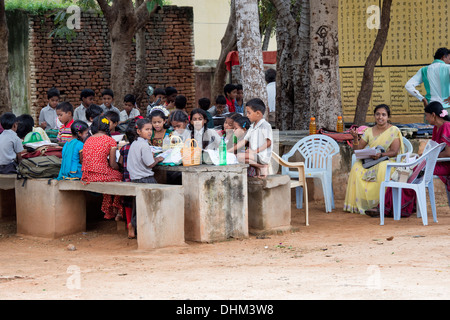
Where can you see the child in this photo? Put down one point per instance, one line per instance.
(239, 102)
(48, 120)
(129, 109)
(114, 119)
(131, 136)
(230, 91)
(241, 126)
(220, 107)
(87, 97)
(179, 120)
(140, 156)
(99, 164)
(158, 121)
(171, 94)
(228, 128)
(64, 110)
(198, 130)
(92, 112)
(259, 139)
(205, 104)
(180, 103)
(159, 100)
(72, 152)
(10, 144)
(107, 99)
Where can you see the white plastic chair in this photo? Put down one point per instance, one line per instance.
(408, 149)
(299, 184)
(419, 186)
(317, 151)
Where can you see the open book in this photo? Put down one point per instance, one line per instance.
(366, 153)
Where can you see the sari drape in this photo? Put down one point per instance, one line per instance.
(363, 188)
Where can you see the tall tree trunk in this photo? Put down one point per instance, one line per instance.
(250, 52)
(229, 43)
(363, 100)
(123, 21)
(5, 98)
(293, 43)
(140, 77)
(325, 92)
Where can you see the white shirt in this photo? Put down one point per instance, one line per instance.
(271, 96)
(80, 113)
(434, 80)
(257, 135)
(133, 114)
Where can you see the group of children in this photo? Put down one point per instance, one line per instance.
(89, 150)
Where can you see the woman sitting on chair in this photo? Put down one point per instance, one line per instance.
(436, 115)
(363, 187)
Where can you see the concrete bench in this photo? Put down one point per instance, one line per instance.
(52, 209)
(269, 204)
(7, 195)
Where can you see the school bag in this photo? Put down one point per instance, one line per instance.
(39, 167)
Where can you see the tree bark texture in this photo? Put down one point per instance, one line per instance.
(365, 93)
(325, 92)
(228, 43)
(123, 21)
(293, 45)
(250, 52)
(140, 77)
(5, 98)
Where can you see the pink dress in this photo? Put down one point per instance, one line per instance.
(96, 168)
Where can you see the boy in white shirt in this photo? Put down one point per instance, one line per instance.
(258, 138)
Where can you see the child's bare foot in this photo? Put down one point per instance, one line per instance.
(119, 217)
(131, 233)
(263, 172)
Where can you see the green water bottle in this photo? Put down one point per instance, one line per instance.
(222, 153)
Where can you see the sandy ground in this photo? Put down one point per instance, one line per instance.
(339, 256)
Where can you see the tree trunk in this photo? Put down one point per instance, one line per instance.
(5, 98)
(123, 21)
(292, 103)
(140, 77)
(363, 100)
(228, 43)
(250, 52)
(325, 93)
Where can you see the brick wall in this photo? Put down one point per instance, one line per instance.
(84, 62)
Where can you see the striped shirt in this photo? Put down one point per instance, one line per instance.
(65, 133)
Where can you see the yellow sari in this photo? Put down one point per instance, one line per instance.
(363, 187)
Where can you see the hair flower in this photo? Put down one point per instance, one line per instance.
(443, 113)
(105, 120)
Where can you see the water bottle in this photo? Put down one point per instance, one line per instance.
(222, 153)
(340, 125)
(166, 142)
(312, 126)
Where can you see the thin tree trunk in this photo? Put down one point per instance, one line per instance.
(229, 43)
(363, 100)
(292, 103)
(250, 52)
(140, 77)
(5, 98)
(325, 93)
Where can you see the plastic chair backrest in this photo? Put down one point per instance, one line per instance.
(431, 157)
(408, 145)
(317, 151)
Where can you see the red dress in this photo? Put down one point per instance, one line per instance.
(96, 168)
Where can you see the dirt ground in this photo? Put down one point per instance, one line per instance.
(339, 256)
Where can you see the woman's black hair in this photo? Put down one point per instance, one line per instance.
(243, 122)
(100, 123)
(205, 126)
(78, 126)
(436, 108)
(385, 106)
(130, 131)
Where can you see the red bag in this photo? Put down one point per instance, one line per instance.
(44, 151)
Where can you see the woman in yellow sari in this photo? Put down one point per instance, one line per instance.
(363, 188)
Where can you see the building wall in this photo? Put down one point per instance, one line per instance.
(85, 62)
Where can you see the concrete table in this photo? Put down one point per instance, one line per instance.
(216, 201)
